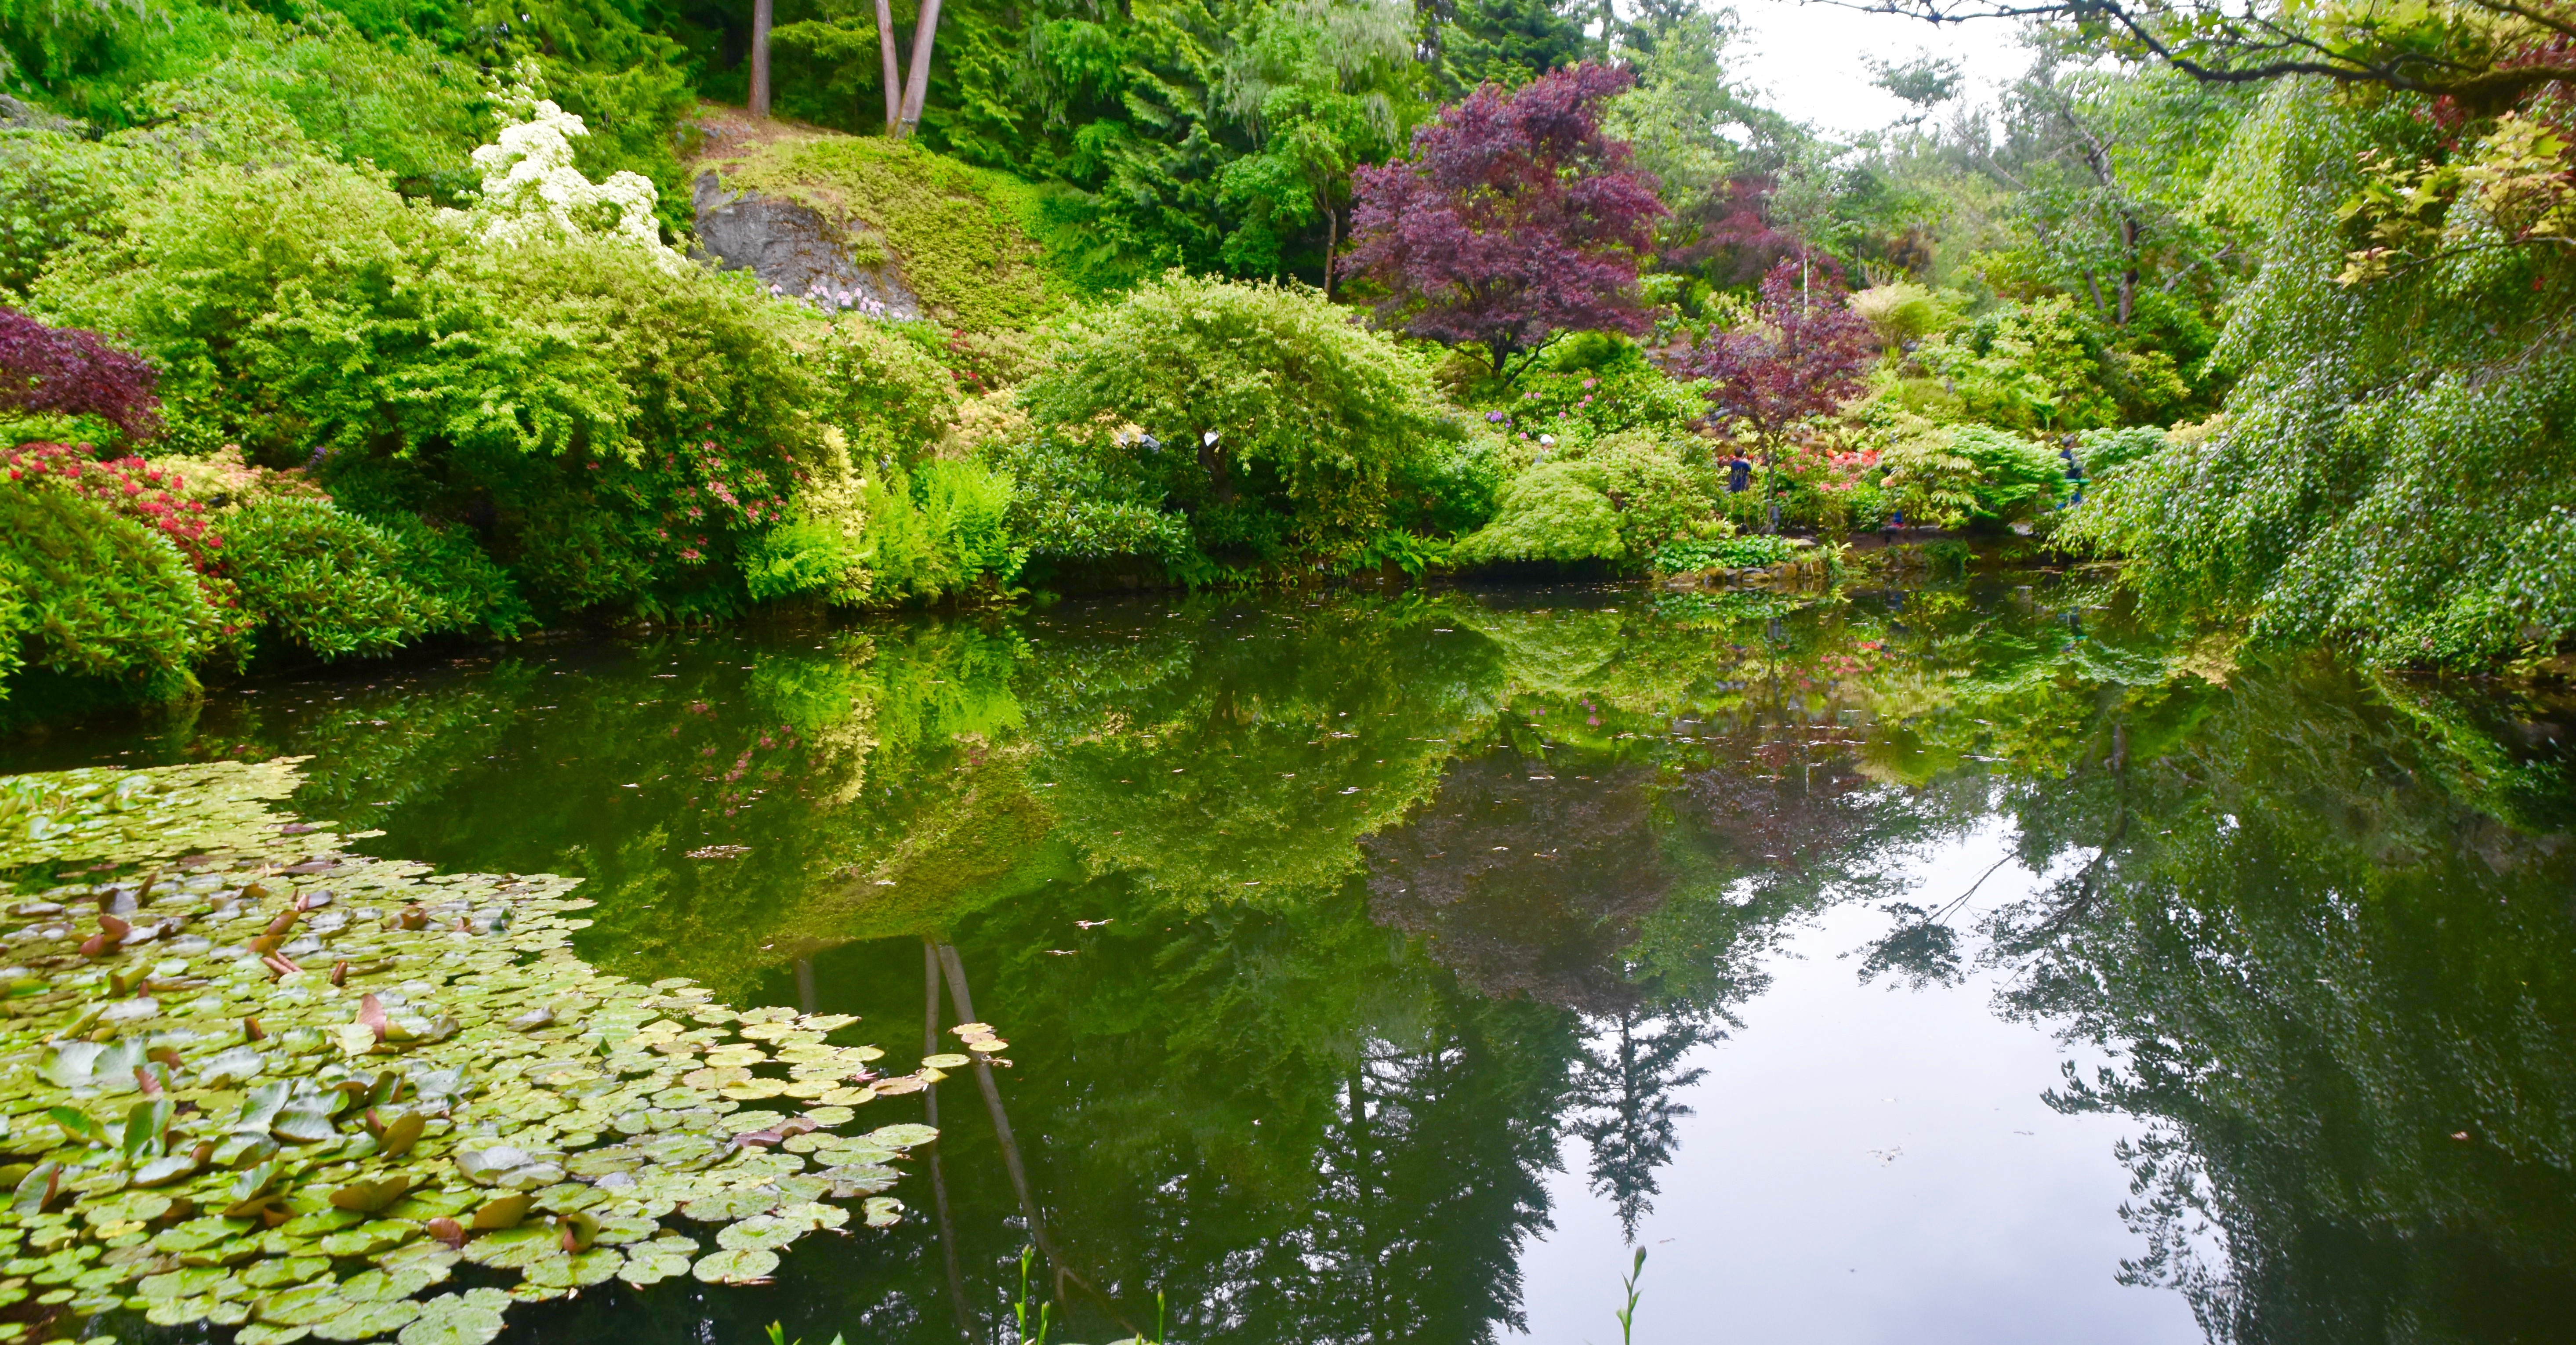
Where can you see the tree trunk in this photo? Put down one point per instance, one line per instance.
(893, 75)
(760, 10)
(1212, 461)
(916, 88)
(2129, 271)
(1332, 241)
(1771, 489)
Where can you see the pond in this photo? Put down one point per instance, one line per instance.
(1956, 960)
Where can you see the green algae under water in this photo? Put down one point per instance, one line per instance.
(1327, 929)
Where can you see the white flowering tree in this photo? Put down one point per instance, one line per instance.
(531, 190)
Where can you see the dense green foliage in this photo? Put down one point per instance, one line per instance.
(1271, 420)
(98, 596)
(336, 584)
(2393, 466)
(2301, 384)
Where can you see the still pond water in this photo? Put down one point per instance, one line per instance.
(1958, 962)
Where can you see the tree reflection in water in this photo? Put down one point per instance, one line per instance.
(1384, 901)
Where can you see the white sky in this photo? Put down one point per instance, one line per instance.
(1807, 59)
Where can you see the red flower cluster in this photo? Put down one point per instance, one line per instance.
(130, 486)
(140, 491)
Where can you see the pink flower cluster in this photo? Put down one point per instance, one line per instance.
(129, 485)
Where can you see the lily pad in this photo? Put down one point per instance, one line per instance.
(735, 1267)
(456, 1319)
(363, 1321)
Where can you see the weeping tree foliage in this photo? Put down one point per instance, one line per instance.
(2395, 468)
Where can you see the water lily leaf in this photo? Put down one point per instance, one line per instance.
(39, 1188)
(315, 1222)
(78, 1124)
(181, 1283)
(261, 1333)
(303, 1123)
(736, 1267)
(860, 1179)
(905, 1136)
(531, 1177)
(183, 1311)
(262, 1104)
(454, 1319)
(601, 1162)
(364, 1321)
(401, 1133)
(162, 1171)
(514, 1248)
(759, 1231)
(898, 1085)
(71, 1064)
(369, 1238)
(368, 1197)
(305, 1305)
(286, 1270)
(726, 1206)
(618, 1230)
(883, 1211)
(487, 1166)
(236, 1065)
(194, 1234)
(383, 1285)
(948, 1061)
(651, 1265)
(503, 1211)
(829, 1022)
(580, 1270)
(816, 1215)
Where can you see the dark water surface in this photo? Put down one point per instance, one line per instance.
(1957, 963)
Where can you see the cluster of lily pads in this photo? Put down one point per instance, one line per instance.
(249, 1079)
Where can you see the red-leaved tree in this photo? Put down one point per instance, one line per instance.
(1802, 356)
(67, 371)
(1514, 220)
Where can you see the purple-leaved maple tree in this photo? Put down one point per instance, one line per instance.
(67, 371)
(1515, 219)
(1802, 356)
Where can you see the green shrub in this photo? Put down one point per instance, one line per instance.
(939, 530)
(1554, 511)
(618, 427)
(2102, 450)
(1622, 500)
(2015, 478)
(1750, 551)
(100, 596)
(1264, 414)
(340, 585)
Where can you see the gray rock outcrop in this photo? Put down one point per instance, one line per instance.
(799, 251)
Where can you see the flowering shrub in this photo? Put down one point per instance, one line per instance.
(130, 486)
(532, 191)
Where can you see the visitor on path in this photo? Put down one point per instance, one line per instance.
(1739, 473)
